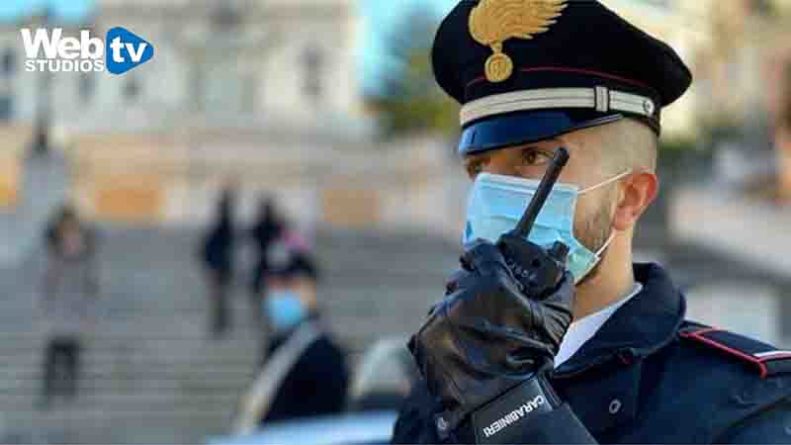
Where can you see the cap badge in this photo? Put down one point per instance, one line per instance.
(492, 22)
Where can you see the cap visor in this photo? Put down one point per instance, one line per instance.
(521, 128)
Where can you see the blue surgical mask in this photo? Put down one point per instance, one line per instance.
(284, 308)
(496, 203)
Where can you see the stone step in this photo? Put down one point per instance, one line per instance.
(130, 400)
(370, 289)
(120, 341)
(92, 372)
(115, 368)
(92, 418)
(88, 416)
(142, 400)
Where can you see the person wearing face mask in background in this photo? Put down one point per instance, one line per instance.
(304, 371)
(606, 354)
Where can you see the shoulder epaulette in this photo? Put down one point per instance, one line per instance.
(767, 359)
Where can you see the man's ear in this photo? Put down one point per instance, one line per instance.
(637, 192)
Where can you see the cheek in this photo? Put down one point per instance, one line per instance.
(591, 215)
(585, 212)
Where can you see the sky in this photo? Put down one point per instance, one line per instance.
(70, 10)
(379, 19)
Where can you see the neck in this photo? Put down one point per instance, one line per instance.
(612, 282)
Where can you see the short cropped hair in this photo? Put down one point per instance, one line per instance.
(628, 145)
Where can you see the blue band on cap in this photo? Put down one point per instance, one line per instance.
(520, 128)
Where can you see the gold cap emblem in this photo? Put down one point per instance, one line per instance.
(492, 22)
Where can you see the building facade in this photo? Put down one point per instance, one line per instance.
(271, 60)
(236, 89)
(740, 55)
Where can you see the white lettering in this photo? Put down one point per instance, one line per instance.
(514, 416)
(50, 50)
(69, 48)
(136, 55)
(116, 46)
(34, 44)
(92, 47)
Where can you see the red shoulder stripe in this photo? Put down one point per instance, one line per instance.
(699, 336)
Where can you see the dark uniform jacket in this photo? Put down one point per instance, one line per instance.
(649, 376)
(315, 386)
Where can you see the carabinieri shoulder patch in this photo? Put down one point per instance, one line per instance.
(493, 22)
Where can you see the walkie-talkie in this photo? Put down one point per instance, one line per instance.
(536, 269)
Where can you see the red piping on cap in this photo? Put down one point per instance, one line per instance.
(574, 71)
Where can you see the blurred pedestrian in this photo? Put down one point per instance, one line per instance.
(70, 289)
(304, 373)
(217, 259)
(265, 232)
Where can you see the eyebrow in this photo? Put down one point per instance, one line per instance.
(475, 157)
(555, 144)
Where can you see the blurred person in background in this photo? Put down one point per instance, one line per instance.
(304, 372)
(217, 258)
(276, 240)
(70, 289)
(266, 230)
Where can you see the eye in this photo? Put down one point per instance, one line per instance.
(474, 167)
(532, 156)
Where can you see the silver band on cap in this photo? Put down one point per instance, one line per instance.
(601, 99)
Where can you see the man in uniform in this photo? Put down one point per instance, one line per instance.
(502, 362)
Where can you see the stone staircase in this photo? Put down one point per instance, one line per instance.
(151, 374)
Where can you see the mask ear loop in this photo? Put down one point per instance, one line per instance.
(610, 239)
(598, 254)
(606, 245)
(606, 182)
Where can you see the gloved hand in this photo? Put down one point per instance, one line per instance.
(487, 336)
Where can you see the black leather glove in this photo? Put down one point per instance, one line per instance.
(488, 337)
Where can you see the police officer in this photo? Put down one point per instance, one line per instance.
(604, 354)
(304, 372)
